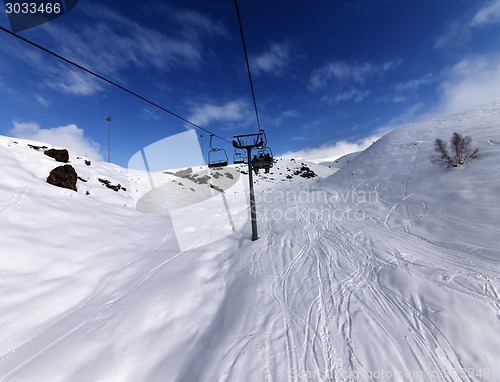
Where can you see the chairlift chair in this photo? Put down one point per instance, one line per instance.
(263, 160)
(239, 158)
(216, 160)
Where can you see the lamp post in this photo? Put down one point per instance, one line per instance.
(109, 119)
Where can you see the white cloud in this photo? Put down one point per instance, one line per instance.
(196, 24)
(70, 137)
(489, 14)
(233, 111)
(364, 6)
(403, 91)
(292, 113)
(344, 72)
(149, 115)
(278, 118)
(411, 114)
(456, 33)
(41, 100)
(352, 94)
(331, 152)
(414, 84)
(73, 82)
(129, 43)
(459, 31)
(273, 61)
(471, 82)
(4, 88)
(109, 44)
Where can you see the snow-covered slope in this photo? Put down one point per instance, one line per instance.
(387, 270)
(458, 207)
(342, 161)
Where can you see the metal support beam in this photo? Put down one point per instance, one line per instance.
(249, 142)
(253, 212)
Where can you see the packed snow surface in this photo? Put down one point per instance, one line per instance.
(385, 270)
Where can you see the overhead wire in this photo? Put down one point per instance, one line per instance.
(112, 83)
(248, 65)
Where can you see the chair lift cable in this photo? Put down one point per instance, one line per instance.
(248, 65)
(111, 83)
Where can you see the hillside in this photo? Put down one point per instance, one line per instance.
(387, 269)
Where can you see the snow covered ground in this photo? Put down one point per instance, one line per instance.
(385, 270)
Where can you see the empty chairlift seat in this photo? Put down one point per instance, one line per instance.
(217, 157)
(239, 158)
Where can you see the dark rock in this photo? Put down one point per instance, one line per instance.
(63, 176)
(88, 163)
(308, 174)
(216, 188)
(59, 155)
(37, 148)
(305, 172)
(201, 180)
(114, 187)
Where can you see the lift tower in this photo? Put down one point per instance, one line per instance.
(248, 142)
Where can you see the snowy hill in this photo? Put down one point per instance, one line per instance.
(342, 161)
(456, 207)
(386, 270)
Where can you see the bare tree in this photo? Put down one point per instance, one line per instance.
(461, 151)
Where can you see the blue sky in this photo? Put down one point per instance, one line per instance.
(329, 76)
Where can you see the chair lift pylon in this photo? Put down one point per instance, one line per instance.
(248, 142)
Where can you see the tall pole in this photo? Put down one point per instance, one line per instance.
(109, 119)
(201, 141)
(253, 213)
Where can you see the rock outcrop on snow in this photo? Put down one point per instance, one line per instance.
(60, 155)
(64, 177)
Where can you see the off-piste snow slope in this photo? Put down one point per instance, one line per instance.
(387, 270)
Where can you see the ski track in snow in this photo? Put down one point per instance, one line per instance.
(404, 203)
(334, 268)
(15, 201)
